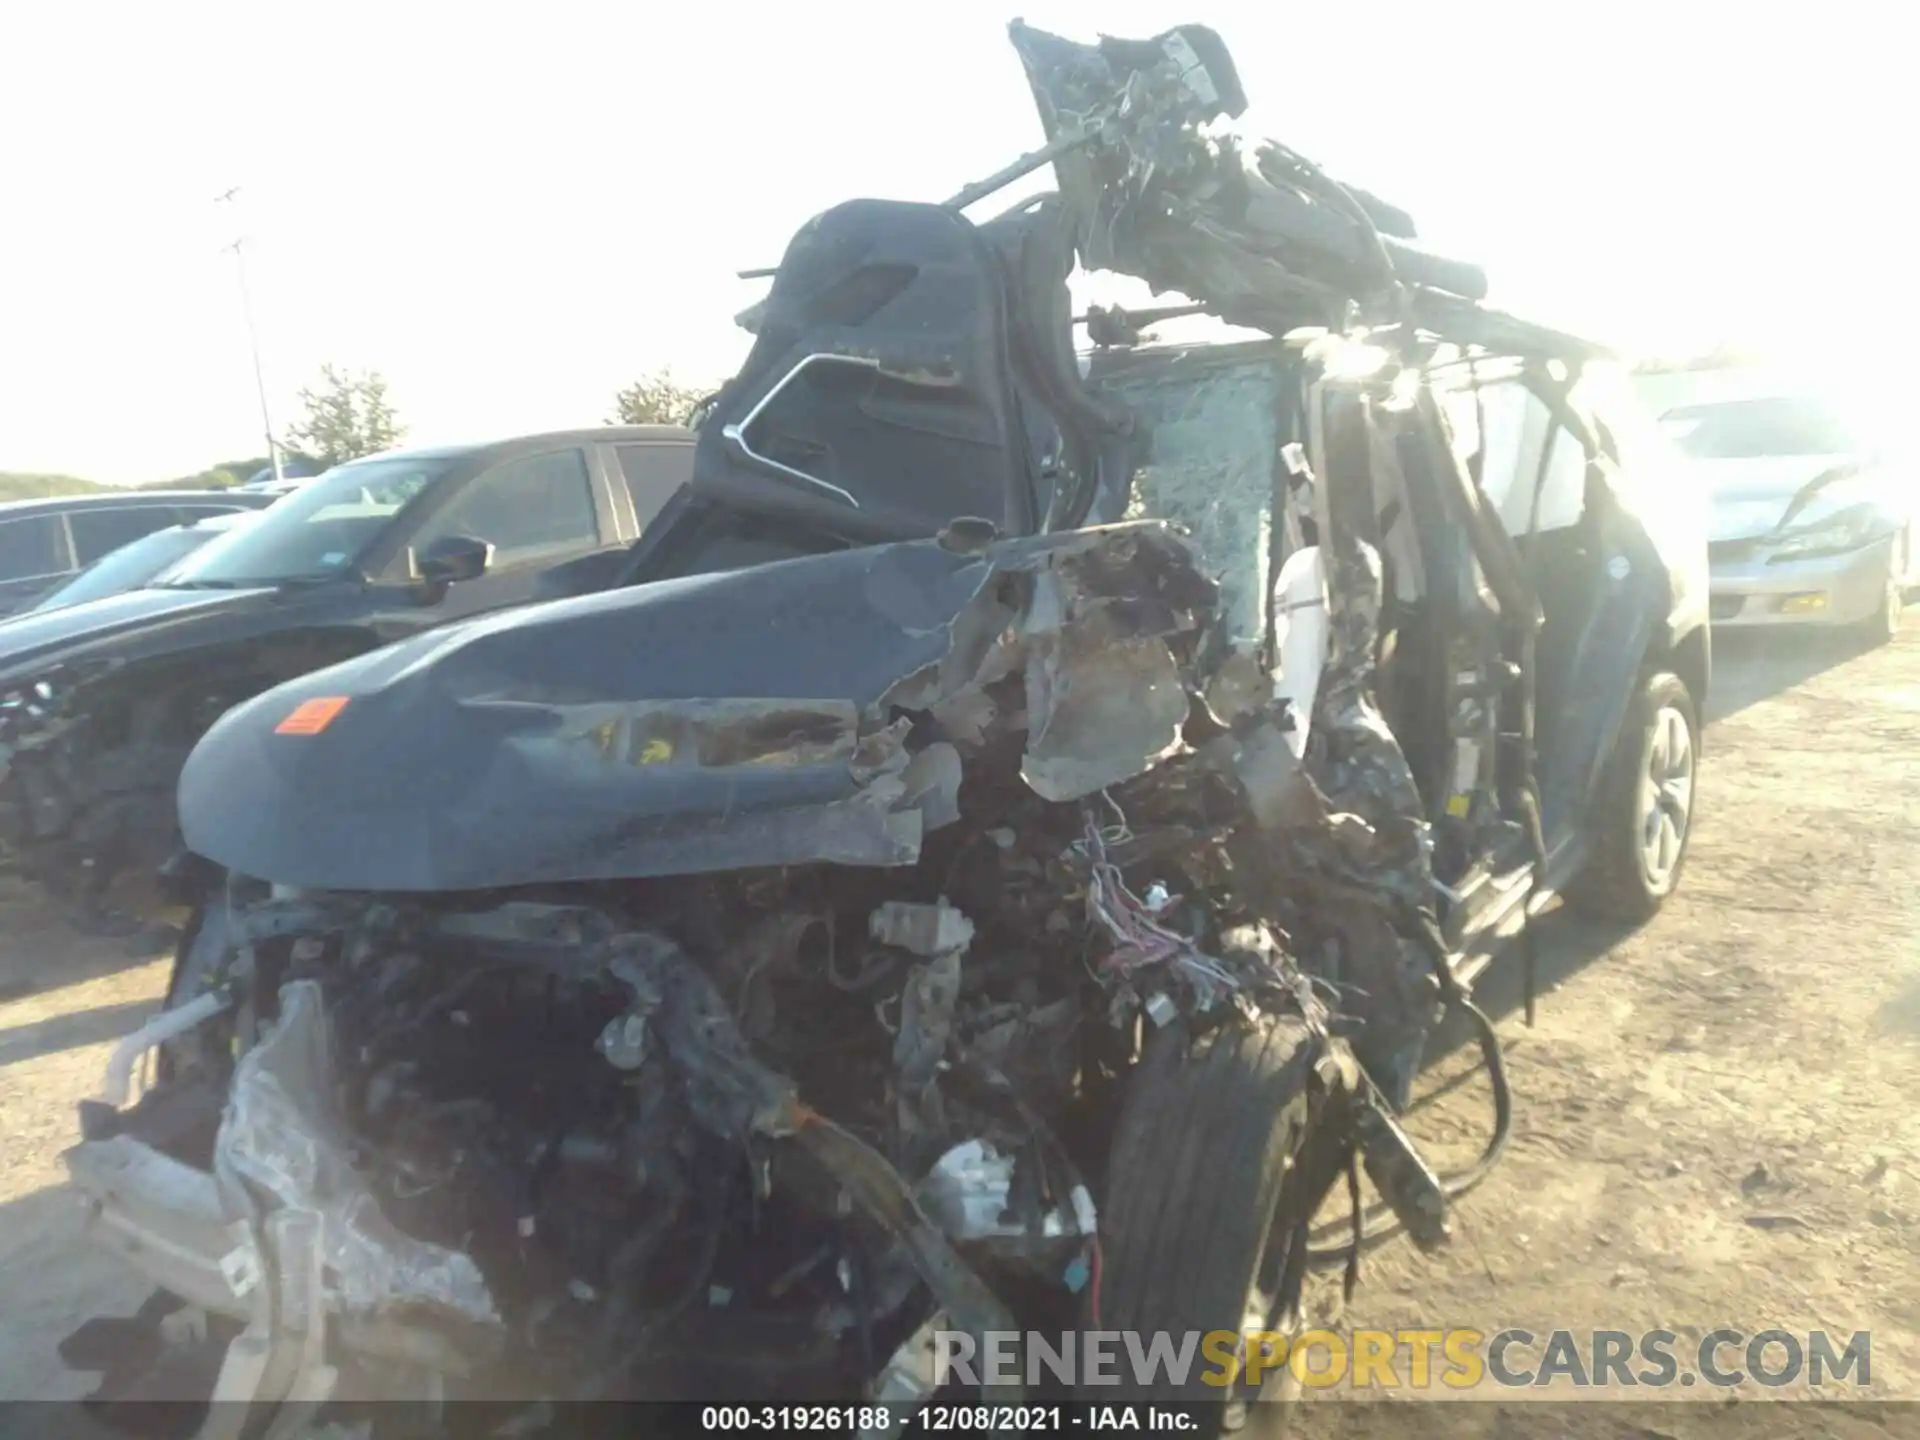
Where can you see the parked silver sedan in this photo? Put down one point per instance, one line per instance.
(1812, 523)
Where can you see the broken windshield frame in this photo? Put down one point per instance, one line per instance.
(317, 533)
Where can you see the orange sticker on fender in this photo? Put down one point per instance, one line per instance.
(310, 717)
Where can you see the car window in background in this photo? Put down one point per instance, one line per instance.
(97, 533)
(653, 472)
(316, 532)
(1752, 429)
(211, 527)
(32, 546)
(204, 512)
(523, 508)
(132, 566)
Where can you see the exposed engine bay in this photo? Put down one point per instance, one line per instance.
(719, 985)
(756, 1130)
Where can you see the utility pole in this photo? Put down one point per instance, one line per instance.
(253, 340)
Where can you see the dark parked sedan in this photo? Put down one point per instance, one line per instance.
(100, 702)
(144, 562)
(43, 542)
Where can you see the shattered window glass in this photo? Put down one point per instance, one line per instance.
(1214, 449)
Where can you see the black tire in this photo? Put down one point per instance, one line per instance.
(1617, 882)
(1204, 1165)
(1883, 626)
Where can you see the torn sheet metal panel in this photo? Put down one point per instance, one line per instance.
(556, 747)
(1102, 708)
(931, 785)
(1107, 696)
(746, 734)
(632, 734)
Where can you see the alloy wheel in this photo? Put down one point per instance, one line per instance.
(1666, 796)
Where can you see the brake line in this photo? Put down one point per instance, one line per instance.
(1493, 1060)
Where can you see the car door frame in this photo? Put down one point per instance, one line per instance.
(1608, 648)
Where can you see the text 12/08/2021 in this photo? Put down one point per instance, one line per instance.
(876, 1420)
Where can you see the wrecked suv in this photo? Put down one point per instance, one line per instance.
(994, 865)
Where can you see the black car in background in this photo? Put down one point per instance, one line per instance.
(141, 563)
(101, 702)
(43, 542)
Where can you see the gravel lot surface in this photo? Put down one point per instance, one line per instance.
(1716, 1121)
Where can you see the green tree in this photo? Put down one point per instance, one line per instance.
(17, 486)
(345, 416)
(218, 478)
(655, 400)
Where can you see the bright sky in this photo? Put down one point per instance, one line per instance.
(513, 210)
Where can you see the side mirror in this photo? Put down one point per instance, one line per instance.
(453, 558)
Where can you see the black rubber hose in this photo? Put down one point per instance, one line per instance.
(1452, 1186)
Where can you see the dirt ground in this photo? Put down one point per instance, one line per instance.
(1715, 1116)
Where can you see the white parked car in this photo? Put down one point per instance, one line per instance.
(1813, 523)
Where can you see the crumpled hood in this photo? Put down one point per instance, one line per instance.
(31, 641)
(722, 721)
